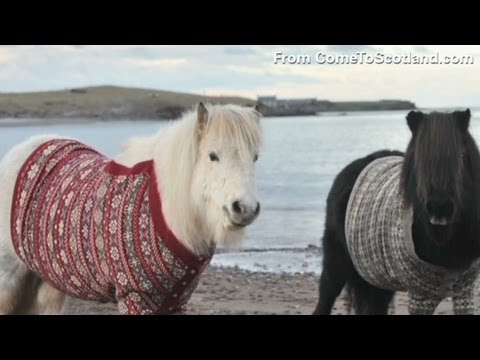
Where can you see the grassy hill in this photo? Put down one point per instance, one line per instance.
(112, 102)
(104, 102)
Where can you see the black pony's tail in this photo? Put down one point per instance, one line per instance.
(358, 296)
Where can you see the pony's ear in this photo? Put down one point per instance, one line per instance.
(202, 117)
(413, 119)
(463, 118)
(257, 109)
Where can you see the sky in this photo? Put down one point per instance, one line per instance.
(247, 70)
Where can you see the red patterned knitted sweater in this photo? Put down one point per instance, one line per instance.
(94, 229)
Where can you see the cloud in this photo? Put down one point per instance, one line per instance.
(7, 55)
(246, 70)
(350, 49)
(157, 63)
(239, 50)
(421, 49)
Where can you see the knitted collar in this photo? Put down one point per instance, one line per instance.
(161, 227)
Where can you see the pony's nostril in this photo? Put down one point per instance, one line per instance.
(447, 209)
(429, 206)
(245, 211)
(237, 207)
(257, 210)
(444, 209)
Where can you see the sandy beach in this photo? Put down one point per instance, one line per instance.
(230, 291)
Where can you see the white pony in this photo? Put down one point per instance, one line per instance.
(205, 171)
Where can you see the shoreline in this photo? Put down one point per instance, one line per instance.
(231, 291)
(29, 122)
(41, 120)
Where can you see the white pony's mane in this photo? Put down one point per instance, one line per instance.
(175, 152)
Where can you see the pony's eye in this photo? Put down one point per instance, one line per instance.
(255, 158)
(213, 156)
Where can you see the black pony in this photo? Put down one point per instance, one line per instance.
(440, 181)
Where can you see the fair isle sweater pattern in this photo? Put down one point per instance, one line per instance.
(378, 231)
(94, 229)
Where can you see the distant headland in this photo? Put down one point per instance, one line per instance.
(112, 102)
(271, 106)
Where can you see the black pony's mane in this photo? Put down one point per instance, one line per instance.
(441, 132)
(442, 155)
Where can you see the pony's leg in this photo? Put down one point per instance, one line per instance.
(337, 268)
(421, 305)
(49, 300)
(381, 300)
(368, 299)
(463, 304)
(17, 285)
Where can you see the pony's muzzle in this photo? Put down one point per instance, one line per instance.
(242, 214)
(440, 212)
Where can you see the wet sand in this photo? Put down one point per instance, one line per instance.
(230, 291)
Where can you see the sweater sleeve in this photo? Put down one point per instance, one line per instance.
(136, 303)
(421, 305)
(463, 303)
(139, 303)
